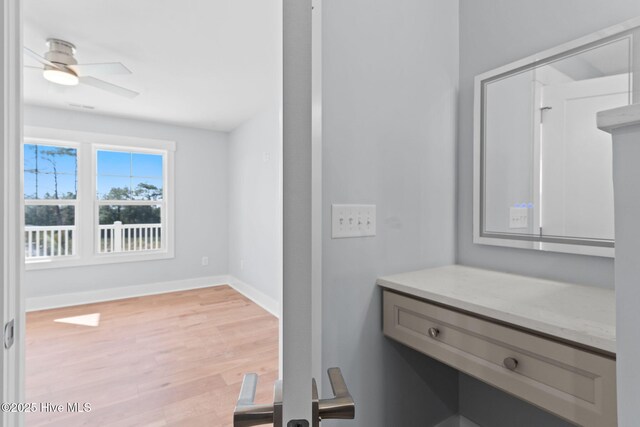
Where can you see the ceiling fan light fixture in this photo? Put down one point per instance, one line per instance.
(60, 76)
(62, 68)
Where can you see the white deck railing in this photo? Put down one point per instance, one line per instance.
(131, 237)
(57, 240)
(49, 241)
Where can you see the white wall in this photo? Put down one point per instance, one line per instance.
(390, 76)
(255, 212)
(201, 197)
(495, 33)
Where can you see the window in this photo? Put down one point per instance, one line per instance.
(129, 201)
(50, 197)
(93, 199)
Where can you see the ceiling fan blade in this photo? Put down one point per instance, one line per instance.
(32, 67)
(106, 68)
(109, 87)
(39, 58)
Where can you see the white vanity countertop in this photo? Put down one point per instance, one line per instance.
(580, 314)
(628, 115)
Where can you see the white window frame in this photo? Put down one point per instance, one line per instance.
(98, 202)
(86, 215)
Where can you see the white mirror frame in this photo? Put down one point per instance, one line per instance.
(625, 29)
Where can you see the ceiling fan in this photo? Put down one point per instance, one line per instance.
(61, 67)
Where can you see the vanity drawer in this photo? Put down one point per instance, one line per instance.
(570, 382)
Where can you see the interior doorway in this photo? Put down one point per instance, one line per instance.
(152, 207)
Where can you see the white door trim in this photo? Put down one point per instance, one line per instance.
(297, 211)
(316, 193)
(12, 250)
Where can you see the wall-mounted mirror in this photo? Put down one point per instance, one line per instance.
(543, 170)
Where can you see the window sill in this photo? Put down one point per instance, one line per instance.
(46, 264)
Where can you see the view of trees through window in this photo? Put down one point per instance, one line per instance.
(50, 194)
(130, 201)
(128, 176)
(50, 173)
(109, 214)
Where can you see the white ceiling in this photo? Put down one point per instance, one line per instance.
(208, 64)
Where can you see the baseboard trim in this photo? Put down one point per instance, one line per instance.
(123, 292)
(260, 298)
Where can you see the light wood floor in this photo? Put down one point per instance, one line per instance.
(164, 360)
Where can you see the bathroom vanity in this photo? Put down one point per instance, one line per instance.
(549, 343)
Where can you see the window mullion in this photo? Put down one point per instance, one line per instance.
(85, 206)
(50, 202)
(131, 202)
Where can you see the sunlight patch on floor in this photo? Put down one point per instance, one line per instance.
(92, 319)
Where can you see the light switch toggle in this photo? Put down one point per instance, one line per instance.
(353, 221)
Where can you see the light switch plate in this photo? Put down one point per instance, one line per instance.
(518, 217)
(353, 221)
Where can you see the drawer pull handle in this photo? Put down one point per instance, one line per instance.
(510, 363)
(434, 332)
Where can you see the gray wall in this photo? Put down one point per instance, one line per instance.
(255, 214)
(489, 407)
(390, 76)
(494, 33)
(200, 207)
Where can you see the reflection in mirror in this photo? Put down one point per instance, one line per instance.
(545, 167)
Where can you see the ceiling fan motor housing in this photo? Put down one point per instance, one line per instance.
(61, 52)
